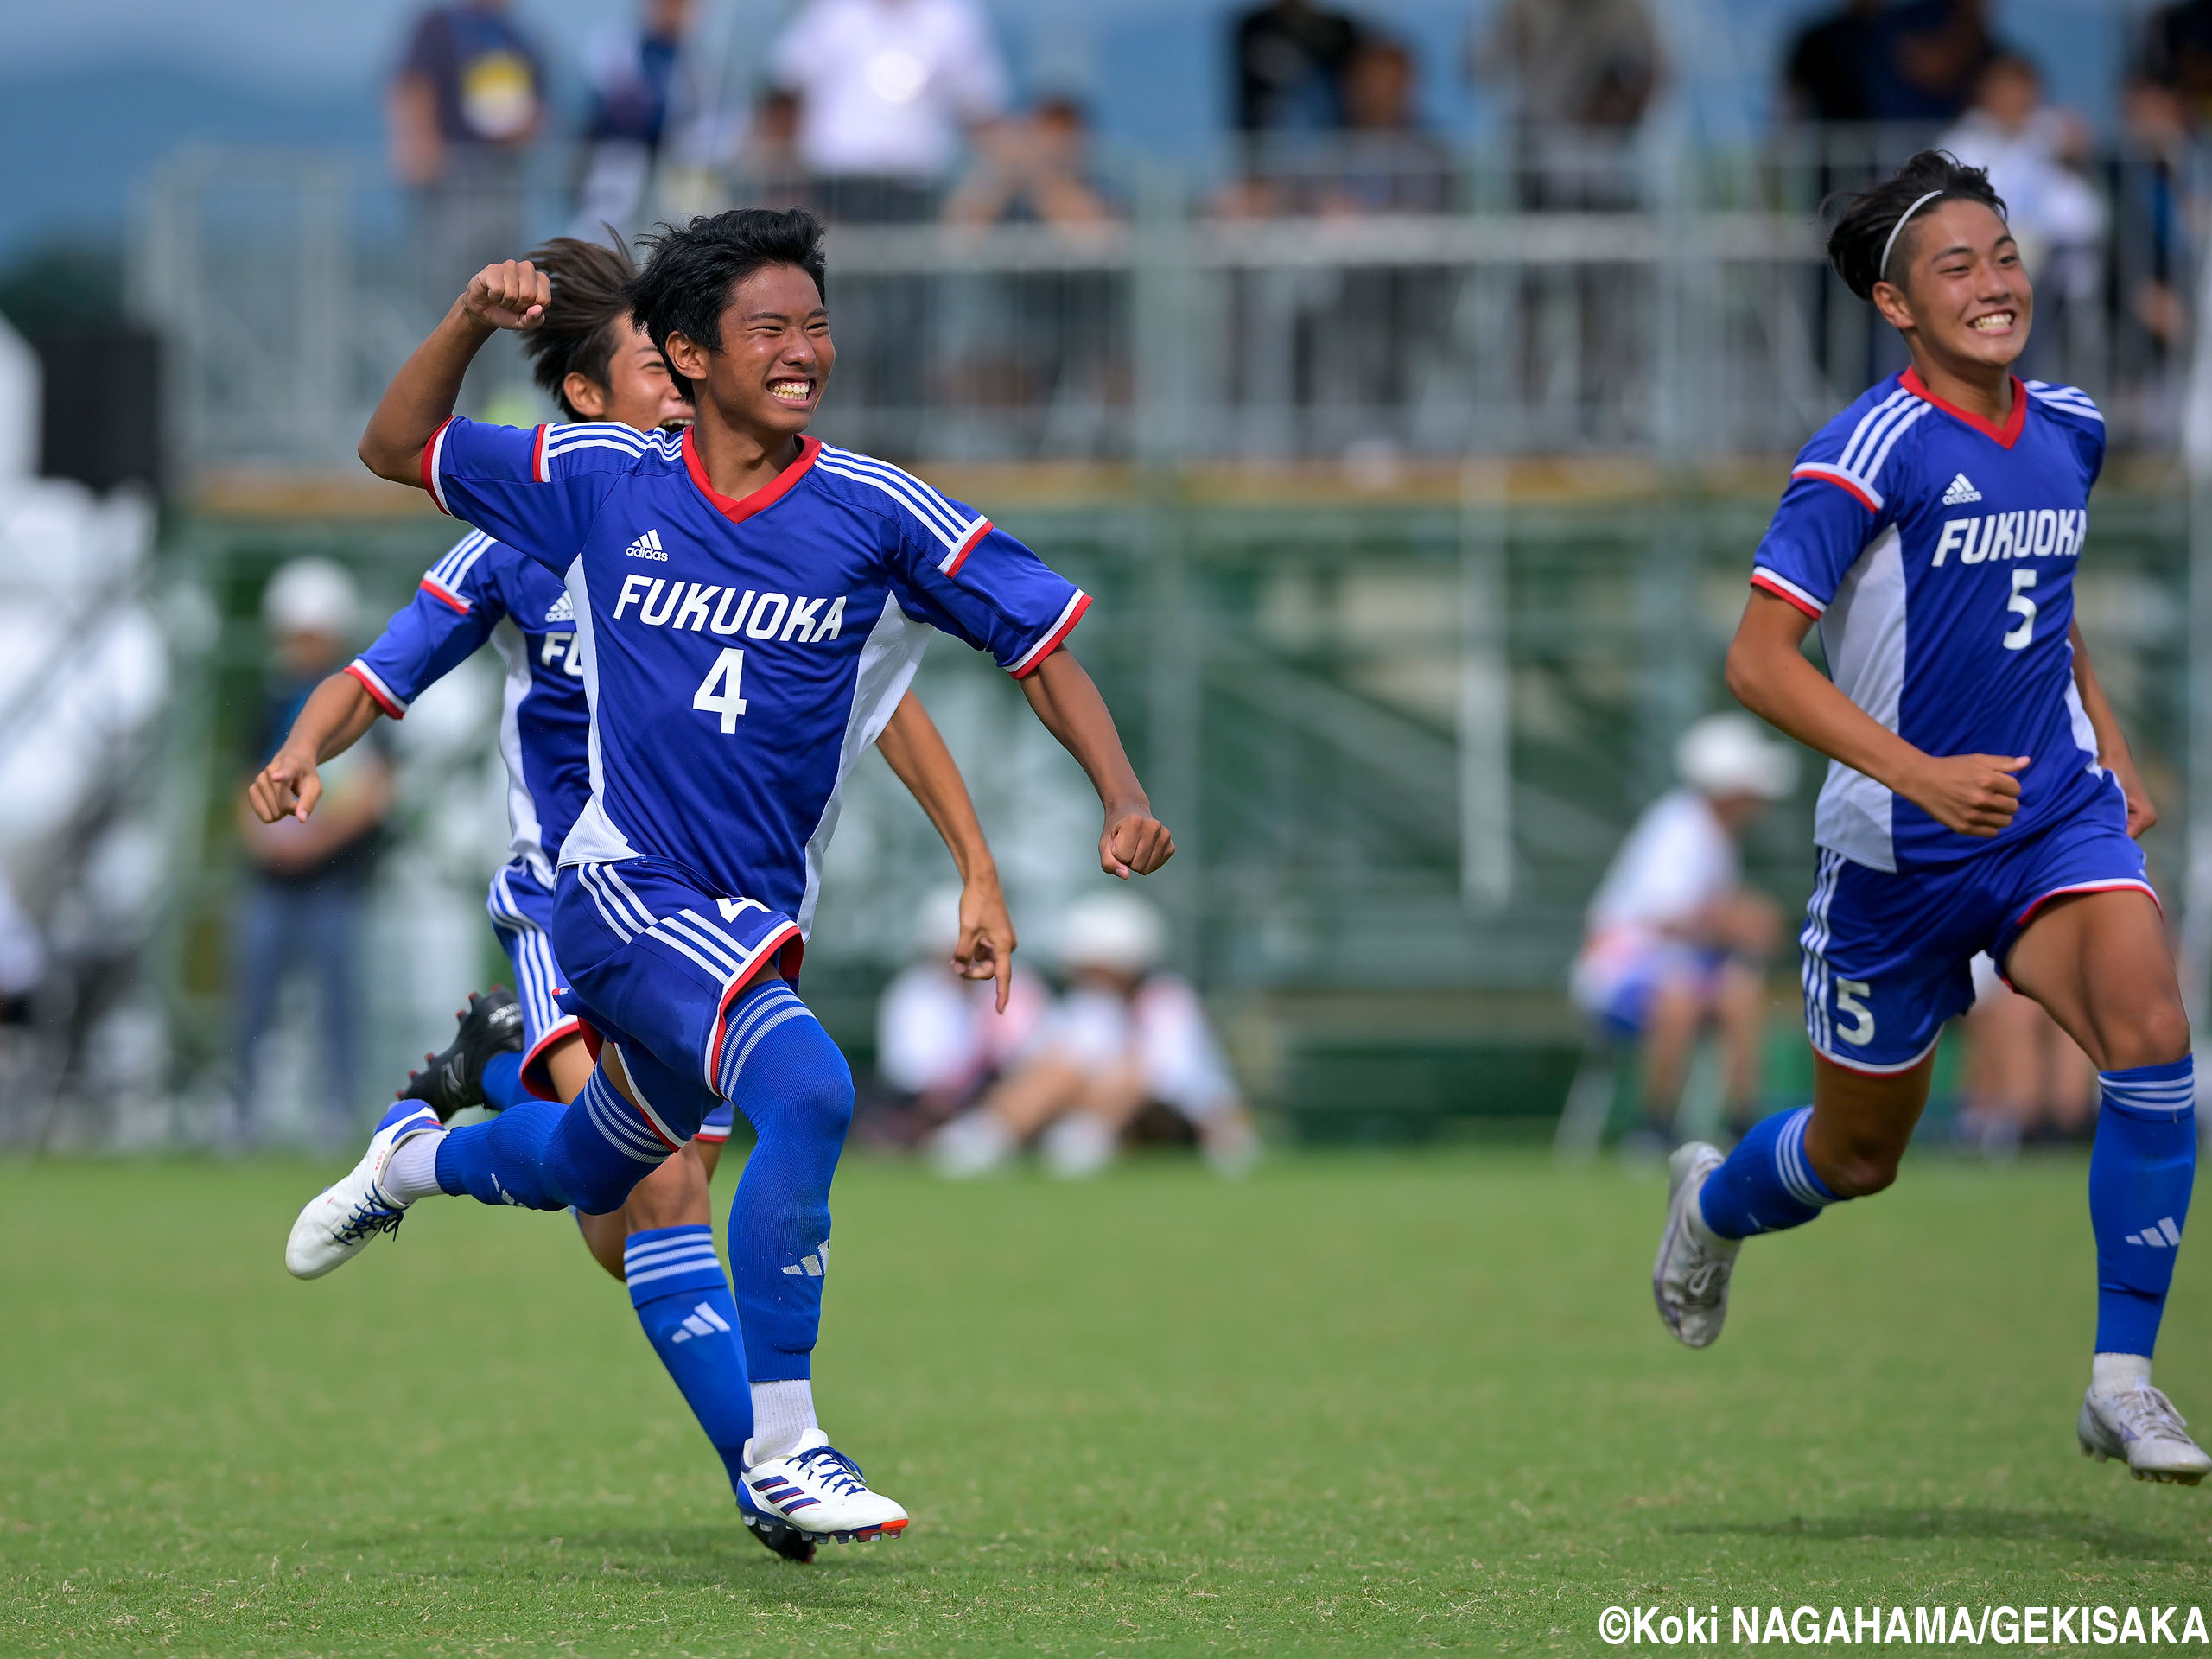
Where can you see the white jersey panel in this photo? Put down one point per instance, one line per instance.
(1863, 630)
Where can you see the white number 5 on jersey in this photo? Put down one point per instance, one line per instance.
(717, 693)
(2024, 608)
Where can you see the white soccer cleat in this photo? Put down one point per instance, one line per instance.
(346, 1214)
(1690, 1279)
(1078, 1147)
(2139, 1427)
(820, 1491)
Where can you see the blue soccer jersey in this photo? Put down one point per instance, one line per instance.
(739, 655)
(464, 601)
(1937, 552)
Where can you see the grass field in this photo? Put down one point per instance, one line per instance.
(1354, 1405)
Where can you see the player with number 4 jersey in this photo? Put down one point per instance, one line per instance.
(1980, 796)
(751, 605)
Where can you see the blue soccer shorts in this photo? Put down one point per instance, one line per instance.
(654, 963)
(521, 908)
(1887, 955)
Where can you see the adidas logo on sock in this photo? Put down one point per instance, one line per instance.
(2163, 1237)
(562, 609)
(701, 1321)
(1962, 491)
(812, 1267)
(647, 546)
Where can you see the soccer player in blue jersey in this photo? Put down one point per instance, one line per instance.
(751, 605)
(593, 360)
(1981, 795)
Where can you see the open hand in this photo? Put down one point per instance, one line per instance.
(987, 942)
(510, 294)
(1135, 844)
(288, 785)
(1974, 794)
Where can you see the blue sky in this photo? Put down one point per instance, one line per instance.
(94, 90)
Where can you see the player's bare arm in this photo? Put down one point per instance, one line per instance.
(2113, 753)
(335, 715)
(915, 750)
(1134, 842)
(1769, 675)
(420, 399)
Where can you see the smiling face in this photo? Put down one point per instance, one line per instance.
(1962, 296)
(639, 391)
(775, 357)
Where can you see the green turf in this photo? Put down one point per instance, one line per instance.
(1354, 1405)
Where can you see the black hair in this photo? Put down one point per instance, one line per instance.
(577, 337)
(685, 286)
(1861, 223)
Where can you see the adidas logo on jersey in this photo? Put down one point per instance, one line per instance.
(2163, 1237)
(647, 546)
(1961, 491)
(562, 609)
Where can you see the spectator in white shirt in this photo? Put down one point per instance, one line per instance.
(889, 92)
(1125, 1037)
(1675, 944)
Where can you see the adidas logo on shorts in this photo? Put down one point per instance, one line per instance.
(1961, 491)
(647, 546)
(562, 609)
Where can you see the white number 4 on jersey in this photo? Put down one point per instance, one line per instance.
(717, 693)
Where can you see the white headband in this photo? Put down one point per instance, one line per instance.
(1887, 246)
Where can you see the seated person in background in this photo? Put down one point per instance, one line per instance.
(1674, 942)
(1034, 169)
(2025, 1078)
(940, 1039)
(1123, 1039)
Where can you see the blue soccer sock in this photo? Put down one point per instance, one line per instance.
(2140, 1173)
(684, 1303)
(1768, 1184)
(503, 1082)
(780, 1069)
(545, 1156)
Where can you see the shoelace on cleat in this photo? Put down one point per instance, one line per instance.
(2146, 1414)
(368, 1219)
(836, 1471)
(1698, 1283)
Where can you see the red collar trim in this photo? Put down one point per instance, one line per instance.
(762, 498)
(2006, 434)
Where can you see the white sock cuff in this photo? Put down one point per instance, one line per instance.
(783, 1415)
(2119, 1371)
(412, 1171)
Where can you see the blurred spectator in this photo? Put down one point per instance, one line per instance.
(1580, 75)
(1289, 57)
(887, 90)
(1126, 1039)
(2151, 199)
(301, 907)
(2031, 152)
(1675, 944)
(2177, 57)
(1931, 59)
(23, 957)
(1390, 164)
(640, 93)
(1830, 71)
(2025, 1078)
(767, 172)
(466, 104)
(940, 1040)
(1034, 169)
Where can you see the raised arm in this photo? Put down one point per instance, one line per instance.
(1134, 842)
(1973, 794)
(420, 399)
(916, 752)
(2113, 753)
(332, 720)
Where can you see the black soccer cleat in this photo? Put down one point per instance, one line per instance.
(492, 1024)
(781, 1538)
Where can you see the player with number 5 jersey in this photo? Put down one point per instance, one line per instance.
(750, 605)
(1980, 796)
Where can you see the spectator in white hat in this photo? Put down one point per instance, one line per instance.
(1126, 1038)
(1675, 944)
(301, 906)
